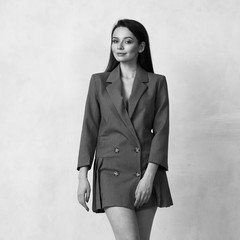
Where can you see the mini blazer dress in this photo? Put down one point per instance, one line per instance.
(119, 143)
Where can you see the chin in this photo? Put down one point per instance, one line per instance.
(120, 59)
(124, 60)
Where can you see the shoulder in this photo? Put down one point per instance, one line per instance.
(158, 79)
(156, 76)
(100, 78)
(100, 75)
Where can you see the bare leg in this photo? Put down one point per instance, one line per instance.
(123, 222)
(145, 219)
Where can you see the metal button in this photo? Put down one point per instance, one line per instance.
(137, 174)
(137, 149)
(115, 173)
(116, 150)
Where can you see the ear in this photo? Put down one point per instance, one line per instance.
(141, 47)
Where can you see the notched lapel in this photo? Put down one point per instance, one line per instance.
(139, 87)
(115, 92)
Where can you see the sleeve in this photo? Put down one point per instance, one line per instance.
(90, 127)
(159, 146)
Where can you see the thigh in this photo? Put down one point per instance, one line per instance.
(145, 218)
(123, 222)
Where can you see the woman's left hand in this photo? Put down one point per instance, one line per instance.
(143, 192)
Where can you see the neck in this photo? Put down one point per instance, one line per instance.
(128, 70)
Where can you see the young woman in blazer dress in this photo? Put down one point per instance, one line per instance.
(125, 133)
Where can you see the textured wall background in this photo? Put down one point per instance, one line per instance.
(48, 51)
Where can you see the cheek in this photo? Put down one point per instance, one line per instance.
(113, 48)
(133, 50)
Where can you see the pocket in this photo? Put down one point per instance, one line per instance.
(107, 148)
(108, 164)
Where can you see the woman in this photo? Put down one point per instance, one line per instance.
(126, 126)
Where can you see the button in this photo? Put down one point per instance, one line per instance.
(116, 173)
(137, 149)
(116, 150)
(137, 174)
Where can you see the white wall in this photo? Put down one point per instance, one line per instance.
(48, 51)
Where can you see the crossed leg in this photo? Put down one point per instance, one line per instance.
(128, 224)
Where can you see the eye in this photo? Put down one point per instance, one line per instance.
(114, 40)
(129, 41)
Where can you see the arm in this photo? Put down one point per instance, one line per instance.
(84, 188)
(144, 188)
(159, 146)
(150, 172)
(83, 173)
(88, 143)
(90, 127)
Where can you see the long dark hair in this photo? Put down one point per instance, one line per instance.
(144, 58)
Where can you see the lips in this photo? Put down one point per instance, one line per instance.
(120, 54)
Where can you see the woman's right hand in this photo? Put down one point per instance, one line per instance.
(83, 192)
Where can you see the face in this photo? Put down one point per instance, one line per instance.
(125, 46)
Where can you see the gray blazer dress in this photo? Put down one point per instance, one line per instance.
(120, 142)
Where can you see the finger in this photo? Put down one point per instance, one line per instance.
(138, 200)
(144, 199)
(83, 203)
(81, 200)
(136, 203)
(85, 206)
(87, 196)
(141, 202)
(137, 196)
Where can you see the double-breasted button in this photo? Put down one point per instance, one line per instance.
(116, 150)
(137, 174)
(116, 173)
(137, 149)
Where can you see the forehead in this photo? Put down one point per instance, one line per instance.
(122, 32)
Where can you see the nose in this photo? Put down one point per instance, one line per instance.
(120, 45)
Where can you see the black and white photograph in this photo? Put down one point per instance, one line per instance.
(120, 120)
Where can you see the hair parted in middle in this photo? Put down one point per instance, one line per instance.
(139, 31)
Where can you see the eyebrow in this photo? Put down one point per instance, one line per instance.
(124, 37)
